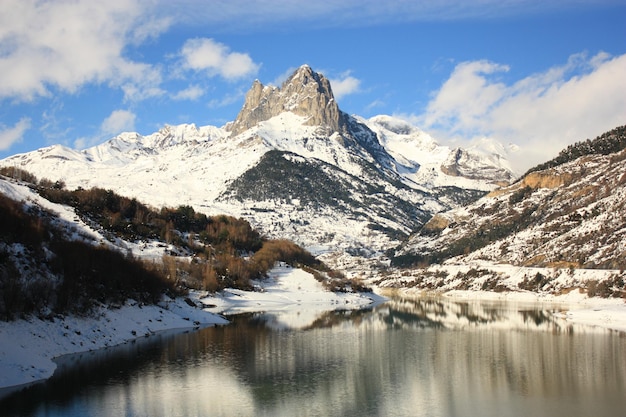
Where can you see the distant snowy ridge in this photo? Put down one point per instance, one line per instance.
(424, 161)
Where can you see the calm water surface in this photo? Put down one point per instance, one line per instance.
(403, 358)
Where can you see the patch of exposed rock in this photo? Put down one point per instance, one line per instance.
(547, 179)
(436, 224)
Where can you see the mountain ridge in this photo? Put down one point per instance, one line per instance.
(210, 168)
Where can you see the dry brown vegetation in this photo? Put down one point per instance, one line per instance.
(89, 273)
(72, 275)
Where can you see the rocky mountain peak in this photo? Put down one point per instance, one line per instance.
(305, 93)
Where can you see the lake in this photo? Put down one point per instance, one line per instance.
(406, 357)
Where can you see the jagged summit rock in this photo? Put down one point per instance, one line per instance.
(305, 93)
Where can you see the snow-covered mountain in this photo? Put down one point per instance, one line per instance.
(424, 161)
(567, 213)
(293, 164)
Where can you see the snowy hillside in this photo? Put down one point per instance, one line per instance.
(87, 269)
(566, 217)
(572, 214)
(345, 184)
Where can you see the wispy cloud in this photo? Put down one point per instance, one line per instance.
(244, 15)
(374, 104)
(227, 100)
(193, 92)
(11, 135)
(66, 44)
(204, 54)
(542, 112)
(281, 78)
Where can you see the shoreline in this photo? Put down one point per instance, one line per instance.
(576, 307)
(29, 347)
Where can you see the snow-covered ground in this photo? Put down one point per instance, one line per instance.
(293, 295)
(28, 347)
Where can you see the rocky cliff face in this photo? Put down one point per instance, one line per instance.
(306, 93)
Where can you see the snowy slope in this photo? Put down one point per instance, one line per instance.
(571, 215)
(558, 230)
(65, 217)
(422, 157)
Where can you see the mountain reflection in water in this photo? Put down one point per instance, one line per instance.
(427, 357)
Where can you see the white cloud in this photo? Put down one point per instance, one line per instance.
(465, 96)
(66, 44)
(542, 113)
(193, 92)
(203, 54)
(11, 135)
(118, 121)
(143, 82)
(345, 85)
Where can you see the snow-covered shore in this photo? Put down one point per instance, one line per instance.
(484, 280)
(295, 296)
(28, 347)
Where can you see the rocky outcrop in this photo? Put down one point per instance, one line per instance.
(547, 179)
(305, 93)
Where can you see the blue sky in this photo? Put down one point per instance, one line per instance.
(530, 72)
